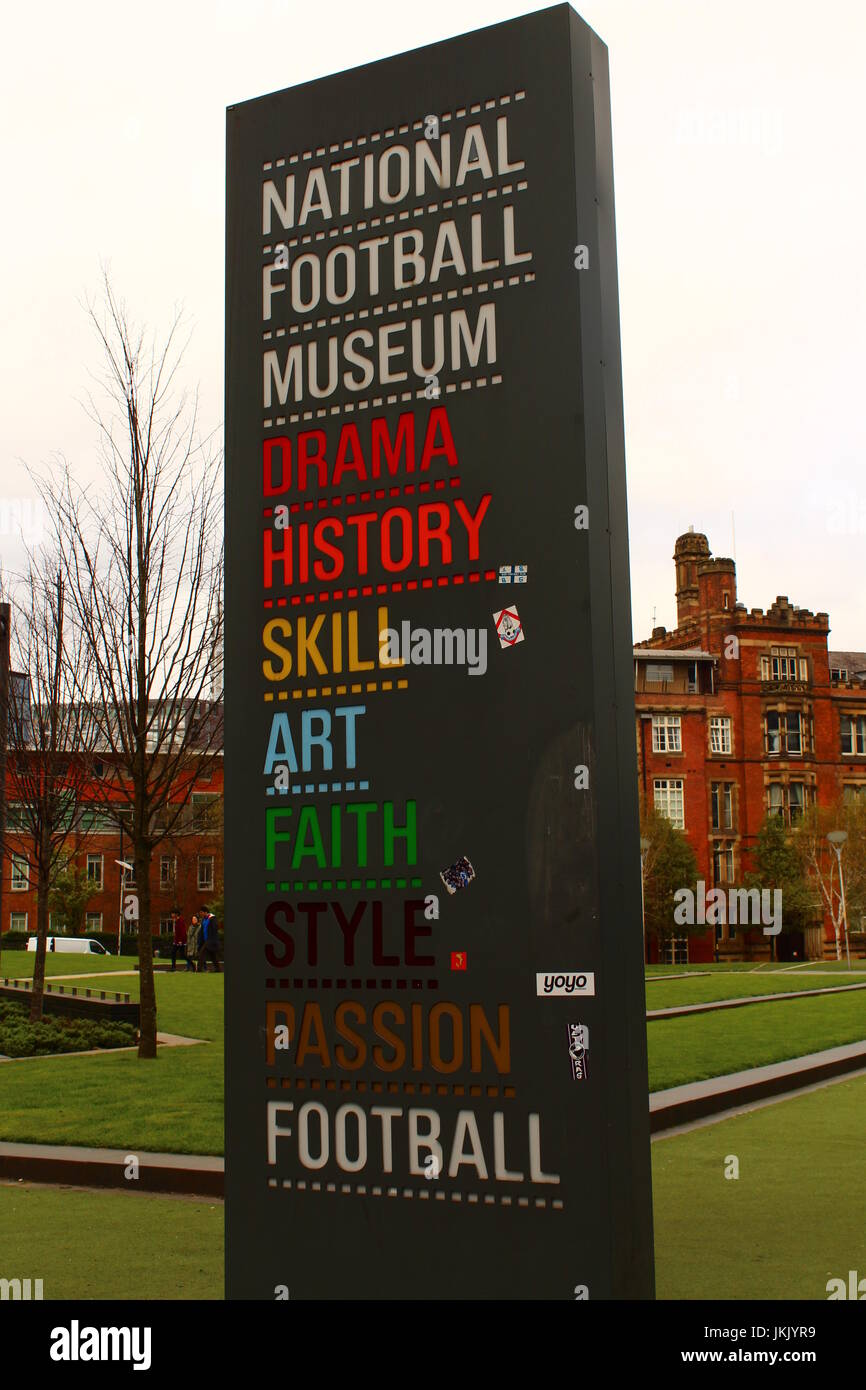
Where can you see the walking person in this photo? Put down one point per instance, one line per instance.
(209, 949)
(178, 941)
(193, 942)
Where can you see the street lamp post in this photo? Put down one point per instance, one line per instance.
(123, 868)
(837, 840)
(644, 849)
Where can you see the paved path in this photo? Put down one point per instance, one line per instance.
(680, 1010)
(683, 975)
(840, 974)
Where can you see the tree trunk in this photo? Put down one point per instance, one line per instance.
(147, 991)
(38, 992)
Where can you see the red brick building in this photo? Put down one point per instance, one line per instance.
(740, 712)
(187, 867)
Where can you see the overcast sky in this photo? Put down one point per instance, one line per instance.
(738, 129)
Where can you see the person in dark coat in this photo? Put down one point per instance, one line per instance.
(209, 949)
(178, 941)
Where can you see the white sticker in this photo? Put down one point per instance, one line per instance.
(565, 982)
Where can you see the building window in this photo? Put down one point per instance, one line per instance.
(722, 805)
(675, 950)
(788, 802)
(56, 925)
(783, 664)
(838, 675)
(204, 808)
(723, 863)
(773, 741)
(20, 873)
(852, 790)
(693, 678)
(667, 733)
(784, 732)
(94, 871)
(94, 819)
(17, 817)
(166, 731)
(853, 727)
(18, 921)
(659, 674)
(167, 872)
(93, 921)
(720, 734)
(796, 801)
(668, 799)
(205, 871)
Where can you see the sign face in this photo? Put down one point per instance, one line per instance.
(432, 864)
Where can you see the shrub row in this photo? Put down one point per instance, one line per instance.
(55, 1033)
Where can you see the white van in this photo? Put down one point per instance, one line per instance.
(81, 945)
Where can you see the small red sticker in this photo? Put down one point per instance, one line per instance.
(458, 960)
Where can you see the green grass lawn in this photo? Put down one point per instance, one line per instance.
(794, 1218)
(702, 989)
(174, 1103)
(856, 963)
(111, 1244)
(693, 1048)
(18, 965)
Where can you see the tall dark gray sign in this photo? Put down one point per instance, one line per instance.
(436, 1070)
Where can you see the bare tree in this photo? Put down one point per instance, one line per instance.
(48, 763)
(821, 863)
(142, 558)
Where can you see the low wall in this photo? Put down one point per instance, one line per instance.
(74, 1002)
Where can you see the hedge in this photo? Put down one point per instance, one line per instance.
(54, 1033)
